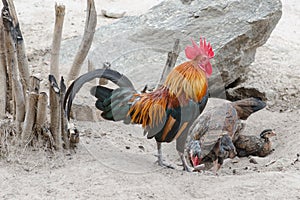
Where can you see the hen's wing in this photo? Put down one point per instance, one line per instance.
(246, 107)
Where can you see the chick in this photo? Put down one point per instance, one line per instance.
(252, 145)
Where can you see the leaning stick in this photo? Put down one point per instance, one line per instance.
(22, 60)
(20, 46)
(59, 20)
(171, 61)
(89, 31)
(3, 73)
(17, 89)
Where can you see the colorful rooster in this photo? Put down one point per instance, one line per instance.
(167, 112)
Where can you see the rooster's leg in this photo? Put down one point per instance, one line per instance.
(160, 159)
(186, 167)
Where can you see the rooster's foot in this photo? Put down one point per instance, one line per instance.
(161, 163)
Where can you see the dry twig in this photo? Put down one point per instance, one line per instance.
(89, 31)
(59, 20)
(171, 61)
(55, 108)
(3, 74)
(17, 89)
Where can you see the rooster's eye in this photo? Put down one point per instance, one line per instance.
(205, 58)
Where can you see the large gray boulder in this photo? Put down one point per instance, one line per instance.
(137, 46)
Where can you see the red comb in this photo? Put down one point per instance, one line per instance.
(195, 50)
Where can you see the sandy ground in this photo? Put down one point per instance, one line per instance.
(114, 161)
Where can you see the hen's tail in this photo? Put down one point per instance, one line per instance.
(112, 75)
(246, 107)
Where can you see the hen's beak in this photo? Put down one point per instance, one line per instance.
(196, 159)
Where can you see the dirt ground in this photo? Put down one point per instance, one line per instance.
(114, 161)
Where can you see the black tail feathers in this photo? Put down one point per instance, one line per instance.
(112, 75)
(115, 104)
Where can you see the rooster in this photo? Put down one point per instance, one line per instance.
(165, 113)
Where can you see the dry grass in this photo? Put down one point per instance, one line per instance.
(35, 154)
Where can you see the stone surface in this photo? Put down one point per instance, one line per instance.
(137, 45)
(235, 29)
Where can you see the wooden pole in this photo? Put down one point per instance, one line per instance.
(22, 61)
(27, 133)
(103, 81)
(171, 61)
(89, 31)
(34, 84)
(64, 125)
(31, 109)
(3, 74)
(20, 46)
(55, 115)
(91, 67)
(41, 114)
(17, 89)
(59, 20)
(41, 118)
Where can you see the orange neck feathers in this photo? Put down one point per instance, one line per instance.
(187, 81)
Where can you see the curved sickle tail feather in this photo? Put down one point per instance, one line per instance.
(112, 75)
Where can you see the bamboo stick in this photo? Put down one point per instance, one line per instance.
(3, 74)
(22, 61)
(89, 31)
(34, 83)
(171, 61)
(20, 46)
(103, 81)
(41, 114)
(41, 118)
(55, 108)
(27, 133)
(17, 89)
(59, 20)
(7, 55)
(31, 110)
(91, 67)
(64, 125)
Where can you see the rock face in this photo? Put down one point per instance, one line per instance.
(137, 46)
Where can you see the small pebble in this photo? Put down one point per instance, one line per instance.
(142, 147)
(252, 160)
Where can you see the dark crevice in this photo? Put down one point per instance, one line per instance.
(235, 83)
